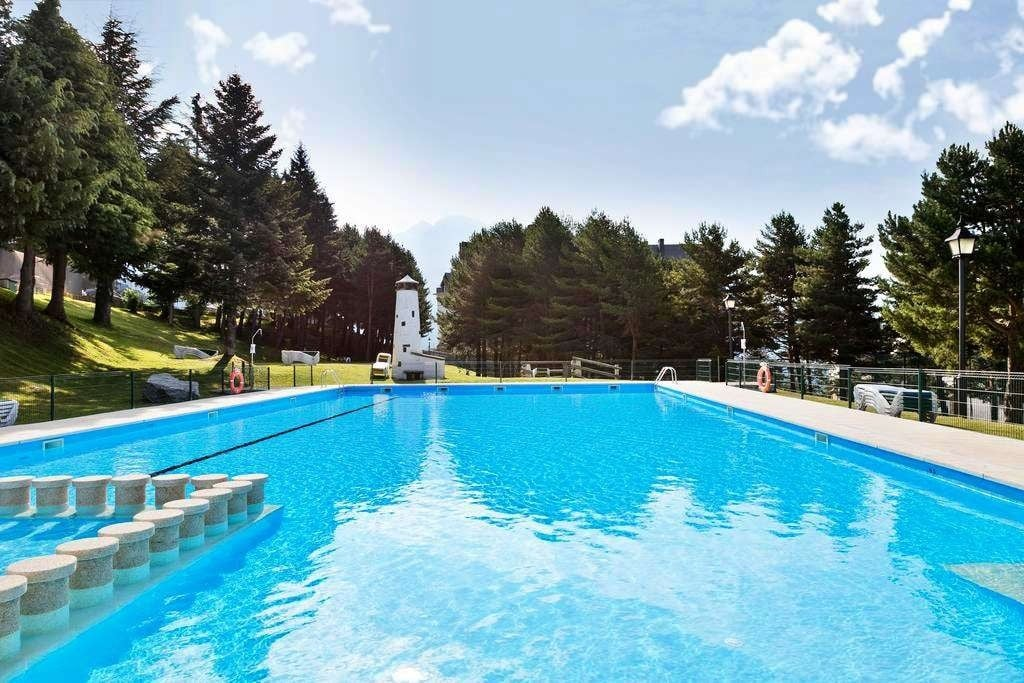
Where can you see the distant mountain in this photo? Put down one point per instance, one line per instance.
(434, 244)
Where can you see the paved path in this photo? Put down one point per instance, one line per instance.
(995, 458)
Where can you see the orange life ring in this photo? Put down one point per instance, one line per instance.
(764, 379)
(236, 380)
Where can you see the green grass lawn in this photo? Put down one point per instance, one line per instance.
(98, 369)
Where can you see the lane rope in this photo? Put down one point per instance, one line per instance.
(267, 437)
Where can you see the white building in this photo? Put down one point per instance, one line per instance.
(408, 360)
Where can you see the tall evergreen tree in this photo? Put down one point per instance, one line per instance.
(983, 193)
(717, 266)
(118, 50)
(779, 255)
(837, 310)
(237, 155)
(547, 246)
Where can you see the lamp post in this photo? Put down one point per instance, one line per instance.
(961, 245)
(730, 303)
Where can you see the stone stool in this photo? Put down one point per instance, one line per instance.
(254, 501)
(12, 587)
(93, 580)
(44, 607)
(168, 487)
(131, 561)
(206, 481)
(238, 505)
(91, 495)
(216, 518)
(163, 546)
(14, 494)
(52, 495)
(192, 533)
(129, 494)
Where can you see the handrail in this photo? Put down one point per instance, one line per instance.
(323, 373)
(667, 370)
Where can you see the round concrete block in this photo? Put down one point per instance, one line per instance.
(131, 561)
(238, 506)
(129, 494)
(90, 495)
(255, 498)
(93, 580)
(167, 487)
(206, 481)
(192, 532)
(12, 587)
(51, 494)
(14, 495)
(163, 545)
(216, 517)
(44, 606)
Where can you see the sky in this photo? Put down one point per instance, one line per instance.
(429, 118)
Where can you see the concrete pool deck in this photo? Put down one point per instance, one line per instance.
(994, 458)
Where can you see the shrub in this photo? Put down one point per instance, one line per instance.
(133, 299)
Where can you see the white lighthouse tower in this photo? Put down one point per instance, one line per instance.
(408, 359)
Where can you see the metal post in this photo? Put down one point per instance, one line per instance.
(295, 382)
(961, 336)
(268, 377)
(849, 387)
(435, 373)
(131, 389)
(190, 384)
(728, 313)
(311, 376)
(53, 402)
(803, 378)
(920, 395)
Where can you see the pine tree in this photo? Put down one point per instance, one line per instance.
(51, 91)
(779, 256)
(837, 310)
(237, 156)
(547, 244)
(716, 266)
(118, 50)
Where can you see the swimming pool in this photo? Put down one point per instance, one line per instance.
(584, 533)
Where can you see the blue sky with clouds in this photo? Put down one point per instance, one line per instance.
(665, 111)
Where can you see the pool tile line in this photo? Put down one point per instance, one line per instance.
(253, 442)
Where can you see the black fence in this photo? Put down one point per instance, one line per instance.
(982, 401)
(584, 369)
(42, 398)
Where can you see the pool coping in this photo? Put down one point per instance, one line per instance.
(990, 462)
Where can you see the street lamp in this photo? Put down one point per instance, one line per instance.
(961, 245)
(730, 303)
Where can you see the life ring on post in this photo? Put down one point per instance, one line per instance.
(236, 380)
(764, 379)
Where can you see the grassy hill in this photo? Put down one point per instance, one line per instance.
(135, 341)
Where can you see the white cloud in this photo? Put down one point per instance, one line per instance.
(208, 37)
(352, 13)
(1010, 45)
(292, 124)
(852, 12)
(288, 49)
(145, 69)
(972, 105)
(865, 138)
(1020, 8)
(914, 44)
(797, 71)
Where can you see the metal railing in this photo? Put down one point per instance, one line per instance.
(983, 401)
(669, 371)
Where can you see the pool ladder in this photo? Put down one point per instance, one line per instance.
(333, 373)
(667, 370)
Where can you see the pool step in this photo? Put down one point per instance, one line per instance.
(1005, 579)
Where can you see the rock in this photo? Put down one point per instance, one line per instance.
(165, 388)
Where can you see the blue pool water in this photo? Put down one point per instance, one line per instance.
(534, 535)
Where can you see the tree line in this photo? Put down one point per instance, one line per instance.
(594, 287)
(96, 173)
